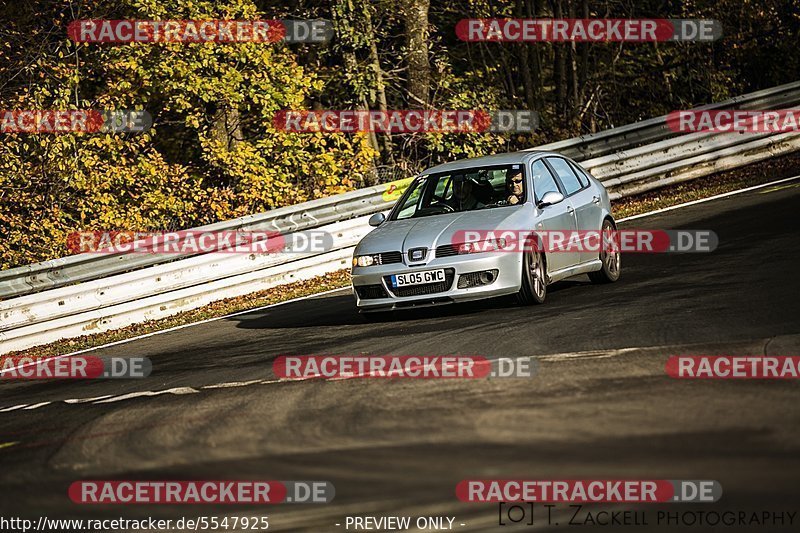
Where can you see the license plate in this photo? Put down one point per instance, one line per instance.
(418, 278)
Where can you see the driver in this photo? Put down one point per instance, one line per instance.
(514, 186)
(463, 198)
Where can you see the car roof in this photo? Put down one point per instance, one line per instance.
(497, 159)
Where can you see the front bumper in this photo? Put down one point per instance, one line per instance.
(373, 292)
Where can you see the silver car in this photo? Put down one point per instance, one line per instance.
(419, 255)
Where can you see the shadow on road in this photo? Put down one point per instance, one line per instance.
(341, 311)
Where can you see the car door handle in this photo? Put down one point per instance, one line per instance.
(570, 209)
(596, 199)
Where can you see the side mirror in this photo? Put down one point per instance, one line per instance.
(550, 198)
(377, 219)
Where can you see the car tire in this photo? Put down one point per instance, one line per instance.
(611, 269)
(534, 279)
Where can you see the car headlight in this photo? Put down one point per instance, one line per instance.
(489, 245)
(364, 260)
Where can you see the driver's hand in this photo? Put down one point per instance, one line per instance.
(512, 200)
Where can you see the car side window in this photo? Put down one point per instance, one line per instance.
(567, 176)
(582, 176)
(410, 204)
(543, 180)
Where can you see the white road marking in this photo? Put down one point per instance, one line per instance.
(591, 354)
(710, 198)
(231, 384)
(177, 390)
(87, 400)
(36, 405)
(14, 408)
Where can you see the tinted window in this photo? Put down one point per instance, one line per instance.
(565, 173)
(459, 190)
(543, 180)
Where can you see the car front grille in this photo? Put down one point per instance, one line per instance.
(387, 258)
(446, 250)
(422, 290)
(371, 292)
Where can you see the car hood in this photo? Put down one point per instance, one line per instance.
(437, 230)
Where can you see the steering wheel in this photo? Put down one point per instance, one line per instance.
(443, 206)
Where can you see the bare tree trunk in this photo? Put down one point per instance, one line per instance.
(527, 78)
(533, 52)
(576, 102)
(226, 128)
(345, 19)
(380, 87)
(373, 137)
(583, 73)
(559, 65)
(415, 13)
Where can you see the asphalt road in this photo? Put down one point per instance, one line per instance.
(601, 405)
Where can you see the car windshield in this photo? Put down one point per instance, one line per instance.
(467, 189)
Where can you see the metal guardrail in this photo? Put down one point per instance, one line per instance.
(88, 266)
(143, 283)
(84, 267)
(157, 306)
(655, 129)
(676, 170)
(164, 289)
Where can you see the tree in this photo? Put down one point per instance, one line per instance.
(415, 13)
